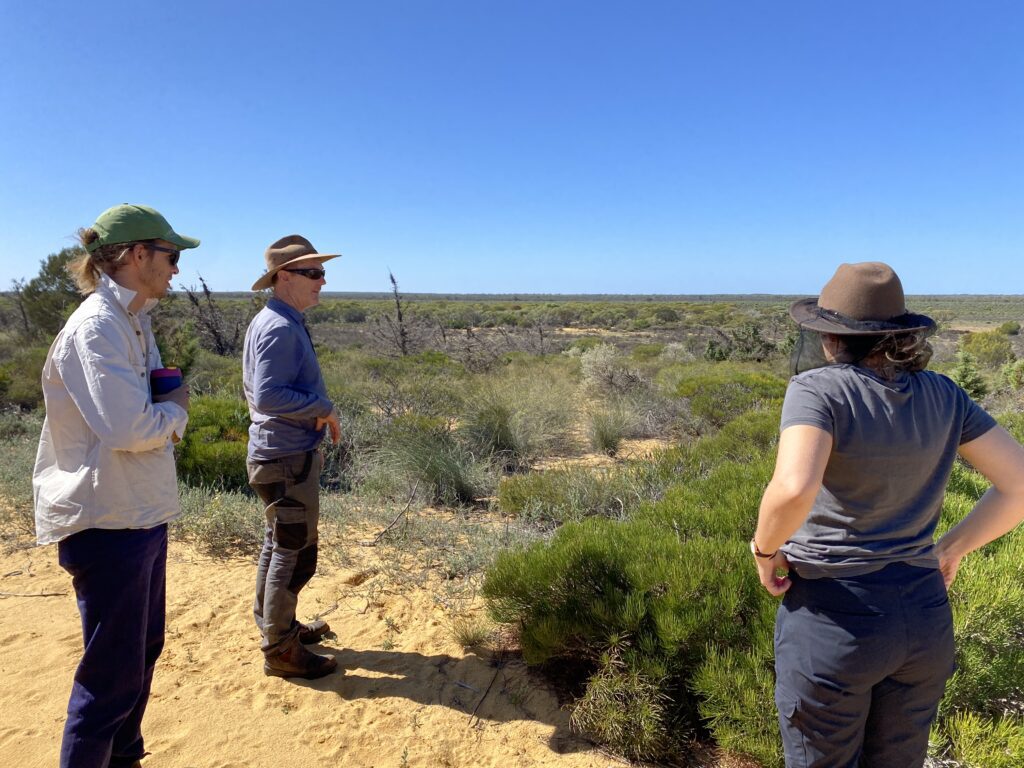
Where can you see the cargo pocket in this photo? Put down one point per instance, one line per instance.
(290, 527)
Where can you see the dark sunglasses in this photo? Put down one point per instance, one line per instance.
(312, 272)
(172, 254)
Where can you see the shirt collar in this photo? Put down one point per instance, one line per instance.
(124, 295)
(286, 309)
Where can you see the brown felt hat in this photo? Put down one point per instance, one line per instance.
(860, 300)
(286, 251)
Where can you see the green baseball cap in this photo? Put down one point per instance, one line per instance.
(128, 223)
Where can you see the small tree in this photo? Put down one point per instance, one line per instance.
(967, 375)
(47, 299)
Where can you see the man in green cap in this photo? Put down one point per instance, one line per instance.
(104, 481)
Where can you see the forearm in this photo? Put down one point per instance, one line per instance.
(782, 512)
(995, 513)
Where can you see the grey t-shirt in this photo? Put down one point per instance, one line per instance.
(893, 448)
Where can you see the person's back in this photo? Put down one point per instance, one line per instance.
(894, 443)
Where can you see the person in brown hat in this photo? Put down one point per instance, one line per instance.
(289, 408)
(864, 633)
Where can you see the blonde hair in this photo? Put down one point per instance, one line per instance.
(105, 260)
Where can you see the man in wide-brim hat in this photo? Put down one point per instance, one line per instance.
(289, 408)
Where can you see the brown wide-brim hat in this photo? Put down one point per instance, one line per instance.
(864, 299)
(285, 252)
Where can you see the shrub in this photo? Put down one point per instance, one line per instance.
(518, 417)
(603, 590)
(719, 394)
(990, 348)
(213, 449)
(967, 375)
(604, 371)
(212, 374)
(18, 444)
(624, 708)
(569, 493)
(985, 742)
(733, 686)
(606, 429)
(421, 451)
(1009, 328)
(647, 352)
(21, 383)
(220, 523)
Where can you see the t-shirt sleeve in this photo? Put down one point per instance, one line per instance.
(977, 421)
(804, 405)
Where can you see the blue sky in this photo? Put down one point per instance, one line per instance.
(569, 147)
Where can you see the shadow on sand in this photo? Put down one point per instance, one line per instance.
(484, 689)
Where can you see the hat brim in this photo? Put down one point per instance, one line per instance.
(805, 313)
(267, 278)
(182, 241)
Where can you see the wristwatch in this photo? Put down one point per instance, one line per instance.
(758, 553)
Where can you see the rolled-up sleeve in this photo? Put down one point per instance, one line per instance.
(113, 395)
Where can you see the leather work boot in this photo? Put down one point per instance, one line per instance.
(293, 660)
(310, 632)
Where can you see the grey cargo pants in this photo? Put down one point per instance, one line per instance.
(290, 490)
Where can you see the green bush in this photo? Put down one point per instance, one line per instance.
(627, 591)
(420, 452)
(220, 523)
(19, 441)
(518, 417)
(606, 429)
(568, 493)
(212, 452)
(21, 383)
(977, 741)
(645, 353)
(967, 375)
(1009, 328)
(990, 348)
(720, 393)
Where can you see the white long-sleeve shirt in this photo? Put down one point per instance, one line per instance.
(105, 458)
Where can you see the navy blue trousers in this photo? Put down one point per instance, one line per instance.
(119, 578)
(861, 664)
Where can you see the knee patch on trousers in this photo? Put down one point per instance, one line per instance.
(291, 529)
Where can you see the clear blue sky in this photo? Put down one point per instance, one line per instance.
(576, 147)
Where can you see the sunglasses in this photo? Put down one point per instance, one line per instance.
(312, 273)
(172, 254)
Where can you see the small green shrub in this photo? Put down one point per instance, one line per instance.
(1009, 328)
(967, 375)
(212, 452)
(17, 459)
(606, 429)
(421, 451)
(977, 741)
(568, 493)
(719, 395)
(990, 348)
(645, 353)
(21, 383)
(733, 686)
(220, 523)
(625, 709)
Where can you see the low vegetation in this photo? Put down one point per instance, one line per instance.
(484, 442)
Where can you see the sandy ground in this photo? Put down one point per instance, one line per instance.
(406, 697)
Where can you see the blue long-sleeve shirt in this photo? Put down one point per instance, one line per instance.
(283, 385)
